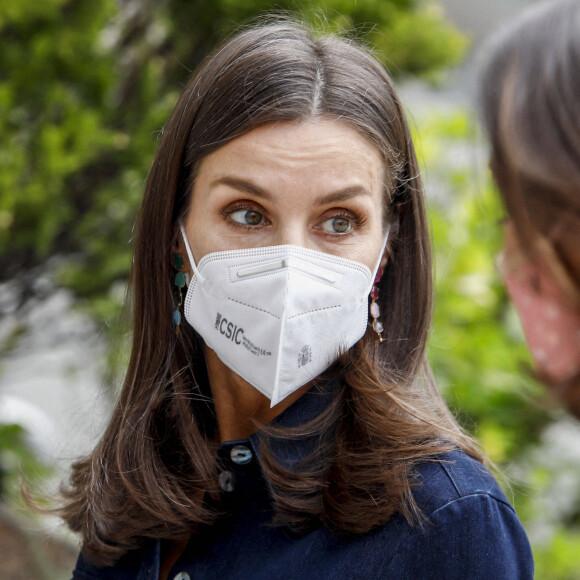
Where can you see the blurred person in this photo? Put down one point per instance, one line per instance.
(278, 418)
(530, 99)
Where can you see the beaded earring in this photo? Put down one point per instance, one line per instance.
(179, 282)
(374, 308)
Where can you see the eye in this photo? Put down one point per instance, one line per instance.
(247, 217)
(337, 225)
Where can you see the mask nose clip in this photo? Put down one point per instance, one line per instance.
(293, 263)
(262, 268)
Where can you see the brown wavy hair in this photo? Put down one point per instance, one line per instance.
(155, 466)
(529, 96)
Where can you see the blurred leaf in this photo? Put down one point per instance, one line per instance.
(16, 459)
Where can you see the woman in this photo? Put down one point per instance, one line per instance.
(269, 431)
(530, 98)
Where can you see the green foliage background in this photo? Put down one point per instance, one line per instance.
(85, 88)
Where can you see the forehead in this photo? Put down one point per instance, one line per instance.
(318, 149)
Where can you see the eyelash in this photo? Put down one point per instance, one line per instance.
(356, 220)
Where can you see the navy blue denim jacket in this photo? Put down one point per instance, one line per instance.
(472, 531)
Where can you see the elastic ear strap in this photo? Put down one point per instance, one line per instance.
(190, 255)
(378, 263)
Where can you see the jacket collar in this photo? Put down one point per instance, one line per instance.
(290, 451)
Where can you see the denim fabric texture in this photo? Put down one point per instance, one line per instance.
(472, 532)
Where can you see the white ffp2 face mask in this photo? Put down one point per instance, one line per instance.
(278, 316)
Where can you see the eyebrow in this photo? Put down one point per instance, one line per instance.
(331, 197)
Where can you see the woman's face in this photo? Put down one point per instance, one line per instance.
(315, 184)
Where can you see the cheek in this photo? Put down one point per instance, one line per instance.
(370, 250)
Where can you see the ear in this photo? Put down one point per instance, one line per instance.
(382, 264)
(384, 260)
(178, 247)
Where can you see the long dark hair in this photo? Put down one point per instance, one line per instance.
(529, 96)
(155, 465)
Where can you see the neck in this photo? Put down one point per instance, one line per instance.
(240, 408)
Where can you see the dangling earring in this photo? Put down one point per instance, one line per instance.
(179, 281)
(374, 308)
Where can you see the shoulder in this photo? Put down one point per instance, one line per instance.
(471, 529)
(452, 477)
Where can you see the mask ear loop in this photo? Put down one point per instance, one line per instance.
(190, 255)
(374, 309)
(375, 271)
